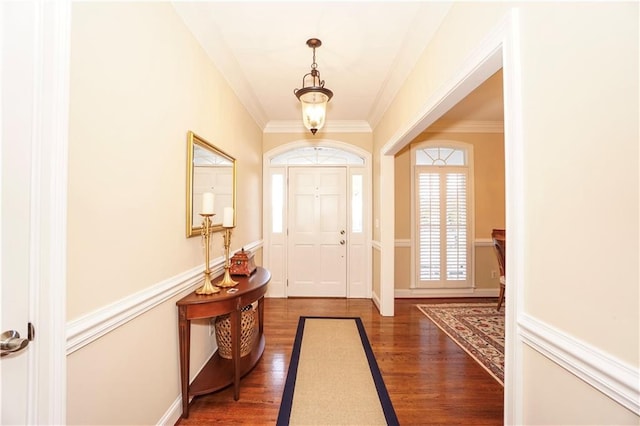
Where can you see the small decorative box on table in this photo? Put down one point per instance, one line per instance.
(242, 264)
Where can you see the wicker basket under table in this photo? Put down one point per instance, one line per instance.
(248, 332)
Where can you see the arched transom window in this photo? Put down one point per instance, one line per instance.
(318, 155)
(441, 156)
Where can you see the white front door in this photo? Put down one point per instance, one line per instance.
(317, 264)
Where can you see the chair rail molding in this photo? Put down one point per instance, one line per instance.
(87, 328)
(403, 242)
(478, 242)
(606, 373)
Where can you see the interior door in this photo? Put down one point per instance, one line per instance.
(16, 90)
(317, 249)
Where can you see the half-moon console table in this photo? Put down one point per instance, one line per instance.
(219, 372)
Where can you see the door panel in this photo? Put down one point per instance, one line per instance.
(316, 243)
(16, 89)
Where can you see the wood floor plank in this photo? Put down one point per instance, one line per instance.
(431, 381)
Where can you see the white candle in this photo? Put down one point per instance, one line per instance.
(227, 221)
(207, 202)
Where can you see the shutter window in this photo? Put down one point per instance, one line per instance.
(429, 227)
(442, 211)
(456, 226)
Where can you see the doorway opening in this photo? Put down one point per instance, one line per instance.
(317, 220)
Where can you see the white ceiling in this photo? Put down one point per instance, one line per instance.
(368, 49)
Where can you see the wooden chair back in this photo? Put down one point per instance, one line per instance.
(500, 245)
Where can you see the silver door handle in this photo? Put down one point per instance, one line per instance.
(10, 342)
(342, 242)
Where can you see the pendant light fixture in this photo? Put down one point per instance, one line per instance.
(313, 98)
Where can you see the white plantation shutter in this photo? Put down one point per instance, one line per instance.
(456, 226)
(442, 202)
(429, 226)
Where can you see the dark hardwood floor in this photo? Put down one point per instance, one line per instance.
(431, 381)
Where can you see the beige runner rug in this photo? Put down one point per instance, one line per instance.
(333, 377)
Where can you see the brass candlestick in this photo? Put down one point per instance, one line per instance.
(226, 280)
(208, 287)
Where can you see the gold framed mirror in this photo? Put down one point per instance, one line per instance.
(209, 169)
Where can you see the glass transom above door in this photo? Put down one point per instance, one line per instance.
(310, 155)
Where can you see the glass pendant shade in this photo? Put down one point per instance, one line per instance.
(314, 108)
(313, 98)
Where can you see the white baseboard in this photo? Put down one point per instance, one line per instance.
(173, 414)
(376, 299)
(608, 374)
(411, 293)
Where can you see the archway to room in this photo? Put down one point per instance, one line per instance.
(316, 220)
(498, 51)
(450, 254)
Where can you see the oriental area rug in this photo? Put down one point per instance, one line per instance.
(333, 377)
(478, 328)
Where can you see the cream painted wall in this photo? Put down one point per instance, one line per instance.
(579, 94)
(375, 260)
(569, 402)
(131, 375)
(487, 271)
(485, 264)
(446, 52)
(139, 82)
(402, 272)
(402, 202)
(488, 167)
(581, 171)
(136, 88)
(376, 190)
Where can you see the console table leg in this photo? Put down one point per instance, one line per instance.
(260, 316)
(184, 337)
(235, 352)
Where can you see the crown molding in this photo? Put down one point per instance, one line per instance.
(335, 126)
(214, 46)
(467, 126)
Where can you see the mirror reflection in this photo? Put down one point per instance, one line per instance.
(209, 170)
